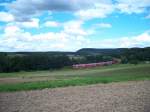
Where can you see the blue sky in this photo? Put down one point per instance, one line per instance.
(69, 25)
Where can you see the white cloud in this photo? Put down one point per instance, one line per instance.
(6, 17)
(126, 8)
(99, 11)
(9, 30)
(33, 23)
(104, 25)
(148, 16)
(73, 36)
(51, 24)
(132, 6)
(142, 40)
(145, 37)
(74, 28)
(19, 40)
(23, 10)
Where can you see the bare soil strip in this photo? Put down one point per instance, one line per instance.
(13, 80)
(133, 96)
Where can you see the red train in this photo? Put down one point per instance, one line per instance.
(90, 65)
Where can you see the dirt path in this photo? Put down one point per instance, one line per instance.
(13, 80)
(114, 97)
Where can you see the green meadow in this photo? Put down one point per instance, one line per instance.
(34, 80)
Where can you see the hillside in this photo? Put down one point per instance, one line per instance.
(111, 51)
(101, 51)
(85, 51)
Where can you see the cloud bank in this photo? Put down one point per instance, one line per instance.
(23, 10)
(21, 17)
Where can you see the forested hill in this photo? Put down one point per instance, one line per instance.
(87, 51)
(94, 51)
(117, 51)
(37, 53)
(28, 61)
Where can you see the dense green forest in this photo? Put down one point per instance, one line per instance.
(29, 61)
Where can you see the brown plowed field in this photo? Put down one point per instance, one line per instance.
(131, 96)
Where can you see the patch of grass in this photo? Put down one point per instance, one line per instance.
(63, 78)
(66, 72)
(71, 82)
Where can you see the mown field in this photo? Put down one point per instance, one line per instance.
(70, 77)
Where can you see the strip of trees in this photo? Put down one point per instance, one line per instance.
(32, 62)
(42, 61)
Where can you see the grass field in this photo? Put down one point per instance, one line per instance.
(68, 77)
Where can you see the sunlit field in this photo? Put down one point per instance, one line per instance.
(73, 77)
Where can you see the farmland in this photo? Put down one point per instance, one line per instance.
(120, 87)
(70, 77)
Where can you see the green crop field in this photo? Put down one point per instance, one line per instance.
(70, 77)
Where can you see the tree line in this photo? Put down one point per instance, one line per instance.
(15, 63)
(32, 62)
(42, 61)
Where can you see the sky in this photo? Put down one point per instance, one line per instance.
(69, 25)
